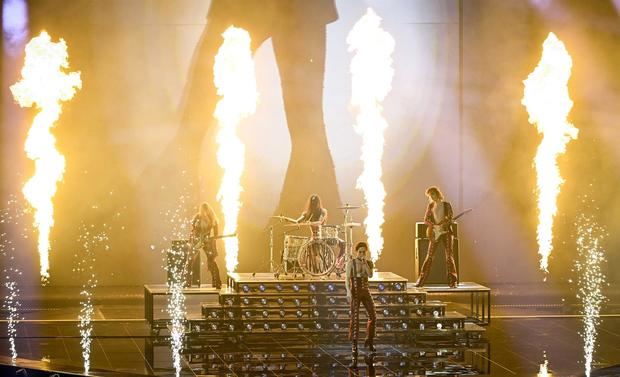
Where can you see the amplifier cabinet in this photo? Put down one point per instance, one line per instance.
(438, 273)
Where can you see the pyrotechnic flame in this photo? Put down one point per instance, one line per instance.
(548, 104)
(85, 326)
(590, 281)
(11, 305)
(44, 85)
(176, 263)
(90, 240)
(10, 217)
(372, 73)
(543, 369)
(176, 305)
(235, 80)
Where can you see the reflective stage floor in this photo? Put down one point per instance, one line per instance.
(516, 348)
(518, 340)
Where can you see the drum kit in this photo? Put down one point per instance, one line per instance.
(325, 252)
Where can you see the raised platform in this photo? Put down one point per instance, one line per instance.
(244, 277)
(256, 308)
(262, 299)
(479, 298)
(247, 283)
(153, 290)
(262, 304)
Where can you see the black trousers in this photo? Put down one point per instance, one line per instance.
(361, 294)
(212, 267)
(446, 241)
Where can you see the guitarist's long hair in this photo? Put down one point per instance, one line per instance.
(205, 209)
(435, 190)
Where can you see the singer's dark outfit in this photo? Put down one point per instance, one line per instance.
(358, 272)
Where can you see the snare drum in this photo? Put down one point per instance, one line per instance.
(328, 231)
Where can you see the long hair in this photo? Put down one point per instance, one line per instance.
(207, 209)
(313, 205)
(434, 190)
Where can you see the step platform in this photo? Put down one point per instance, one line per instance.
(263, 282)
(258, 308)
(479, 298)
(261, 304)
(154, 293)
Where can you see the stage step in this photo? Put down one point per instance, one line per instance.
(261, 283)
(413, 331)
(261, 304)
(214, 310)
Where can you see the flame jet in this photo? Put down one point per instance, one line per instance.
(372, 73)
(235, 80)
(44, 84)
(547, 102)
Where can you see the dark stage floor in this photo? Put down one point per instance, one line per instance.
(517, 346)
(525, 327)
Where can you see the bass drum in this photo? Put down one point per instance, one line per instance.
(316, 258)
(290, 254)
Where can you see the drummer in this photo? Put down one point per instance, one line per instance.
(314, 213)
(317, 215)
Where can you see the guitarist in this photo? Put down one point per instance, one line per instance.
(438, 219)
(204, 229)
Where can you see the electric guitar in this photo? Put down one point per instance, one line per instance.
(437, 231)
(201, 242)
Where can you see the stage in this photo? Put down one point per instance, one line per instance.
(185, 185)
(124, 343)
(121, 348)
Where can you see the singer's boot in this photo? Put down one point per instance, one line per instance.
(420, 282)
(353, 363)
(368, 343)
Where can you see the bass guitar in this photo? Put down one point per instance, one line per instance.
(437, 231)
(199, 243)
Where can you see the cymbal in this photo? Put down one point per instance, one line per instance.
(348, 206)
(351, 225)
(314, 223)
(283, 218)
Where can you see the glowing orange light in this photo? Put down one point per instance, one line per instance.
(44, 85)
(236, 84)
(548, 103)
(372, 73)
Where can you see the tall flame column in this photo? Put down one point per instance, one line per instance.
(235, 81)
(44, 85)
(371, 80)
(547, 102)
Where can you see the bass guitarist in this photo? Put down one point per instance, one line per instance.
(438, 219)
(204, 233)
